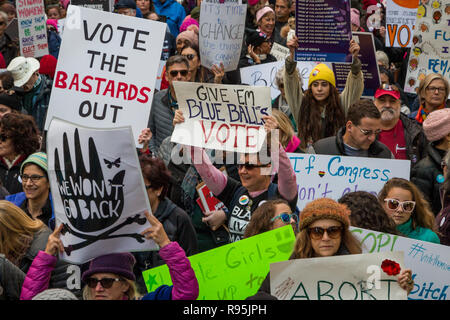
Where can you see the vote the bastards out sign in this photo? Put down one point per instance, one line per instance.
(105, 77)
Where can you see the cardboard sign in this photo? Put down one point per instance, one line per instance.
(430, 49)
(222, 27)
(346, 277)
(32, 28)
(264, 75)
(222, 117)
(369, 66)
(103, 5)
(103, 78)
(325, 176)
(400, 20)
(323, 30)
(429, 262)
(98, 191)
(234, 271)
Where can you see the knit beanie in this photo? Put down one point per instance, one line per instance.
(256, 38)
(437, 124)
(187, 22)
(189, 35)
(261, 12)
(38, 158)
(48, 65)
(324, 208)
(118, 263)
(322, 72)
(354, 17)
(195, 13)
(55, 294)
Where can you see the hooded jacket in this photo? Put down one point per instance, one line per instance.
(443, 219)
(174, 13)
(10, 176)
(11, 280)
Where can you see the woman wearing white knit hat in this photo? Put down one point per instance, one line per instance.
(428, 174)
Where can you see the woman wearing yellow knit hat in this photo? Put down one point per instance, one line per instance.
(320, 111)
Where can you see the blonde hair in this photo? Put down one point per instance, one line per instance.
(285, 126)
(131, 293)
(17, 230)
(426, 82)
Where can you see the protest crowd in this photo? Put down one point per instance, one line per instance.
(312, 115)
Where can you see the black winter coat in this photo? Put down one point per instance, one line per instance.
(427, 175)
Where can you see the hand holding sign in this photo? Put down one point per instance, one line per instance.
(54, 244)
(354, 48)
(405, 280)
(219, 72)
(156, 231)
(292, 45)
(144, 138)
(214, 219)
(270, 123)
(178, 117)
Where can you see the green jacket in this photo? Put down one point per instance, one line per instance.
(420, 233)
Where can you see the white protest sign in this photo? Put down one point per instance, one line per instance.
(97, 189)
(430, 49)
(32, 28)
(104, 77)
(429, 262)
(279, 52)
(221, 35)
(325, 176)
(264, 75)
(347, 277)
(400, 20)
(222, 117)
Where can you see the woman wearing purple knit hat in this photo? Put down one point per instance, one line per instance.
(427, 175)
(111, 277)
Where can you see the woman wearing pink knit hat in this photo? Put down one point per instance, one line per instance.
(428, 175)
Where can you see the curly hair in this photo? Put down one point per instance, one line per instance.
(310, 125)
(422, 215)
(23, 131)
(261, 218)
(367, 212)
(156, 172)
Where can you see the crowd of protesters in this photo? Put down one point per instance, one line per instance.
(321, 120)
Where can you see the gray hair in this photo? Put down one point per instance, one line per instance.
(4, 16)
(382, 57)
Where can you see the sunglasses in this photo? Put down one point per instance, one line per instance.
(174, 73)
(189, 56)
(250, 166)
(368, 132)
(105, 282)
(316, 233)
(2, 23)
(393, 204)
(285, 217)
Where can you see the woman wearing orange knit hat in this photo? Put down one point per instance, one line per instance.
(320, 111)
(324, 232)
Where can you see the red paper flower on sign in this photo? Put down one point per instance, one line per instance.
(392, 268)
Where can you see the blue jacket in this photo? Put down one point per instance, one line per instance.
(174, 13)
(19, 198)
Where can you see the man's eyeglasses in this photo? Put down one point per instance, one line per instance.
(105, 282)
(33, 177)
(190, 56)
(174, 73)
(433, 89)
(369, 132)
(285, 217)
(3, 137)
(250, 166)
(317, 233)
(393, 204)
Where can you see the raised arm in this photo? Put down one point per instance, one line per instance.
(354, 86)
(292, 81)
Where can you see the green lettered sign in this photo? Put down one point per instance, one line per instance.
(234, 271)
